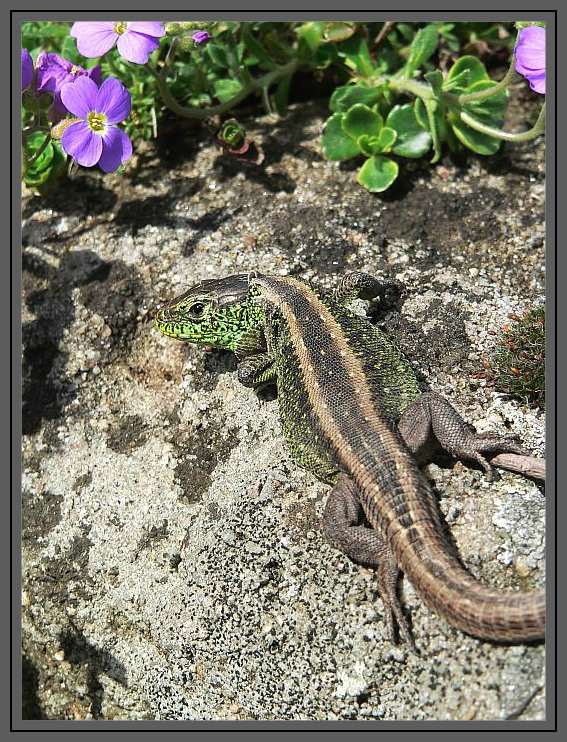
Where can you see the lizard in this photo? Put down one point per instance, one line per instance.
(353, 413)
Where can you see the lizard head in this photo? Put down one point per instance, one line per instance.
(221, 313)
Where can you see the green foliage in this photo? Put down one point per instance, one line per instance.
(361, 131)
(42, 163)
(393, 98)
(518, 365)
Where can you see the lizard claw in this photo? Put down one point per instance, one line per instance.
(477, 446)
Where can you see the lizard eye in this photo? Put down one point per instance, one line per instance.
(197, 309)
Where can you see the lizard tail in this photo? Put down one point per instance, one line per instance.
(449, 590)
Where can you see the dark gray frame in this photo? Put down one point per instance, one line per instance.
(11, 521)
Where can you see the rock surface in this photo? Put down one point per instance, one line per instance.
(173, 566)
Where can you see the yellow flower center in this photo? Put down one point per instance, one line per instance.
(74, 70)
(96, 122)
(120, 27)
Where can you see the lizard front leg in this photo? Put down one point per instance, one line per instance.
(359, 285)
(345, 528)
(256, 370)
(431, 422)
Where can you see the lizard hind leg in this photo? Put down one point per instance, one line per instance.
(345, 528)
(431, 422)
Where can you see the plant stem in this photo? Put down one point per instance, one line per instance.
(411, 86)
(524, 136)
(28, 131)
(482, 94)
(384, 31)
(204, 113)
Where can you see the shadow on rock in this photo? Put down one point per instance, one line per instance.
(83, 194)
(46, 389)
(112, 289)
(31, 707)
(81, 653)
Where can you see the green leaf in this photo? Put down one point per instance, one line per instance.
(489, 111)
(422, 48)
(347, 96)
(406, 31)
(368, 145)
(431, 116)
(482, 144)
(256, 48)
(216, 54)
(378, 173)
(413, 139)
(69, 50)
(360, 120)
(336, 144)
(336, 31)
(386, 138)
(311, 33)
(473, 65)
(357, 56)
(226, 89)
(435, 79)
(49, 164)
(492, 108)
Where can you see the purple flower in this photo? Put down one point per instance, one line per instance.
(27, 68)
(135, 40)
(530, 56)
(95, 138)
(201, 37)
(53, 72)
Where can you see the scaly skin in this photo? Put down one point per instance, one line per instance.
(353, 414)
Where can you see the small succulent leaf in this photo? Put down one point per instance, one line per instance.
(386, 139)
(458, 81)
(226, 89)
(421, 49)
(435, 79)
(361, 119)
(493, 107)
(347, 96)
(217, 55)
(378, 173)
(336, 144)
(336, 31)
(413, 139)
(480, 143)
(420, 113)
(473, 65)
(489, 111)
(367, 145)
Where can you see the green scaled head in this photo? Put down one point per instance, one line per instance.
(221, 313)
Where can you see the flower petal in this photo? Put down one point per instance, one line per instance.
(116, 149)
(95, 73)
(150, 28)
(136, 47)
(537, 83)
(81, 143)
(530, 49)
(27, 68)
(113, 100)
(52, 72)
(79, 97)
(94, 38)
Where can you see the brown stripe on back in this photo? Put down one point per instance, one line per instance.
(348, 418)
